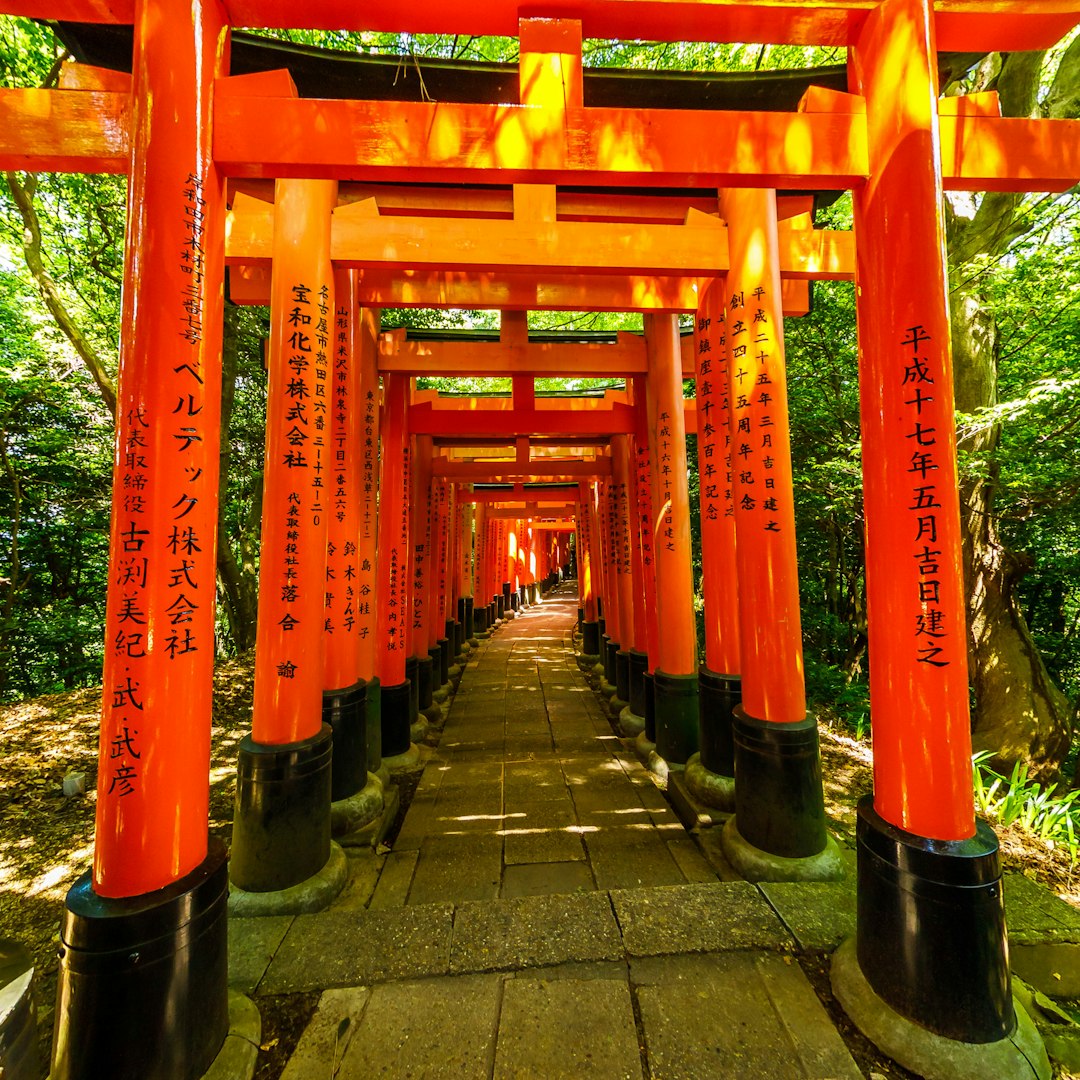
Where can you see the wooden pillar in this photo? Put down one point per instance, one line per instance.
(154, 750)
(779, 809)
(393, 591)
(275, 847)
(718, 678)
(675, 676)
(931, 932)
(623, 563)
(421, 534)
(344, 693)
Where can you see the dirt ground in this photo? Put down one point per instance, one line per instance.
(46, 839)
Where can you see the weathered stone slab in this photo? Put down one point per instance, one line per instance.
(534, 931)
(820, 914)
(395, 880)
(357, 948)
(434, 1029)
(252, 944)
(1035, 914)
(628, 858)
(720, 1017)
(687, 855)
(541, 832)
(454, 869)
(698, 918)
(327, 1037)
(563, 1029)
(543, 879)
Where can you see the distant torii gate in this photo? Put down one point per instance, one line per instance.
(931, 933)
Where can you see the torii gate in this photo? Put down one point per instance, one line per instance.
(920, 851)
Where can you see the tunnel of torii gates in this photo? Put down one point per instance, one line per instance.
(376, 565)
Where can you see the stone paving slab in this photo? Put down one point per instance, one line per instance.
(819, 914)
(1035, 915)
(534, 931)
(731, 1016)
(626, 858)
(698, 918)
(327, 1037)
(252, 944)
(563, 1029)
(458, 868)
(395, 880)
(354, 948)
(543, 879)
(433, 1029)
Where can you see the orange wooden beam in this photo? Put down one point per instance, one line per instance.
(539, 494)
(424, 420)
(494, 471)
(973, 25)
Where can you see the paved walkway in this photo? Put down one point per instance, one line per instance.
(542, 913)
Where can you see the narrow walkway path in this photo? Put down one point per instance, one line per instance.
(543, 914)
(530, 790)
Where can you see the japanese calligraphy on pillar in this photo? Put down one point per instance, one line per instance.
(369, 472)
(397, 616)
(713, 408)
(756, 361)
(931, 622)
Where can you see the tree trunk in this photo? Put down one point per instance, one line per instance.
(238, 578)
(1019, 714)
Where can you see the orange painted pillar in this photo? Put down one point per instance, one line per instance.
(344, 692)
(421, 534)
(367, 538)
(154, 750)
(623, 563)
(718, 678)
(468, 579)
(288, 734)
(643, 464)
(482, 596)
(778, 800)
(675, 677)
(612, 627)
(393, 592)
(941, 954)
(439, 581)
(590, 626)
(641, 571)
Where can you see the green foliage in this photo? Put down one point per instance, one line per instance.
(1028, 805)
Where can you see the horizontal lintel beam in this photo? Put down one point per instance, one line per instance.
(509, 471)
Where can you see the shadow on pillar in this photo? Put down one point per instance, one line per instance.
(927, 975)
(142, 991)
(281, 820)
(396, 719)
(710, 774)
(778, 832)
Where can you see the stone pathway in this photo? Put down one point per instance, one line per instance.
(542, 913)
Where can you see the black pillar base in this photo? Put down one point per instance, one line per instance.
(373, 724)
(639, 664)
(444, 660)
(508, 600)
(931, 928)
(435, 654)
(779, 805)
(590, 638)
(622, 675)
(493, 613)
(345, 710)
(396, 738)
(281, 820)
(500, 606)
(601, 620)
(580, 618)
(515, 600)
(142, 992)
(412, 677)
(650, 706)
(719, 694)
(479, 620)
(467, 622)
(19, 1055)
(425, 678)
(676, 716)
(608, 655)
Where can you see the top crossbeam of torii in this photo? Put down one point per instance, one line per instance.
(960, 24)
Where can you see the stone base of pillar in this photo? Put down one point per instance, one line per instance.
(281, 819)
(418, 730)
(384, 778)
(778, 798)
(616, 705)
(442, 695)
(712, 789)
(396, 719)
(676, 706)
(607, 690)
(359, 809)
(345, 710)
(239, 1053)
(142, 988)
(756, 864)
(1018, 1056)
(407, 761)
(717, 697)
(630, 724)
(587, 661)
(643, 747)
(314, 893)
(931, 928)
(434, 715)
(18, 1015)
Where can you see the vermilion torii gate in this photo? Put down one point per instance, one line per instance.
(931, 933)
